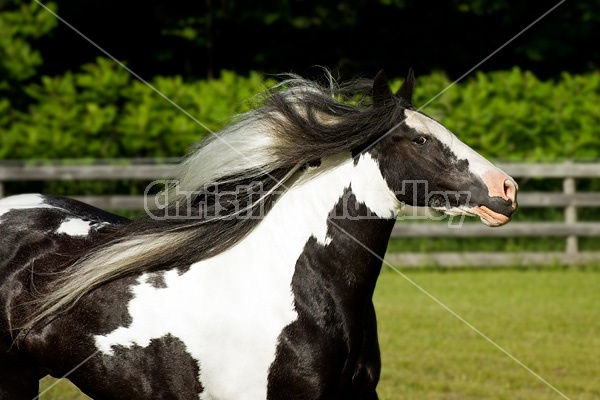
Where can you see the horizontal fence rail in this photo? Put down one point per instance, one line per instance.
(86, 172)
(568, 199)
(515, 229)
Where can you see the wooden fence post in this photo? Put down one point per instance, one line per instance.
(569, 188)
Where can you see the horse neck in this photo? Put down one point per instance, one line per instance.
(351, 211)
(357, 247)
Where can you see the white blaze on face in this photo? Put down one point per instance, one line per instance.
(229, 310)
(497, 181)
(477, 164)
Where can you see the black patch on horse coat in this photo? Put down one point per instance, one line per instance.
(157, 280)
(162, 370)
(331, 351)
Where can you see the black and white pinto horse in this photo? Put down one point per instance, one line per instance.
(256, 279)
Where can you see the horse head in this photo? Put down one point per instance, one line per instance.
(426, 165)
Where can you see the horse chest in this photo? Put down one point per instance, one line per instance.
(228, 311)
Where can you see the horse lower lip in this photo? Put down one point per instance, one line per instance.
(489, 217)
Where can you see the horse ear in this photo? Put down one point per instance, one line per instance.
(381, 90)
(408, 87)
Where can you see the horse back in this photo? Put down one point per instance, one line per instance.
(39, 235)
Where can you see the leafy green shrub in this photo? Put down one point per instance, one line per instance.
(18, 26)
(103, 112)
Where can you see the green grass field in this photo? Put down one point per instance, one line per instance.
(547, 319)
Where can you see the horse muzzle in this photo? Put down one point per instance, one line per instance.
(501, 202)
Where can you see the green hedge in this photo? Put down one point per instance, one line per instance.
(19, 27)
(103, 112)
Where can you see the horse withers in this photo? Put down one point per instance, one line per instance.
(254, 279)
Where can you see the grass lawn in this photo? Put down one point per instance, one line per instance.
(547, 319)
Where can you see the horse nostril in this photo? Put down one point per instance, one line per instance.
(510, 191)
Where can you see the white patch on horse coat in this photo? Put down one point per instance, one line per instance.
(74, 227)
(370, 188)
(328, 240)
(21, 202)
(229, 310)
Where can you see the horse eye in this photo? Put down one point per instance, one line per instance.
(420, 140)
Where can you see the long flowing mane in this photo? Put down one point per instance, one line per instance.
(299, 123)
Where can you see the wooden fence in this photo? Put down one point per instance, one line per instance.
(569, 199)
